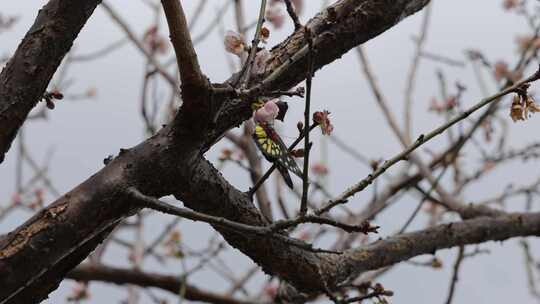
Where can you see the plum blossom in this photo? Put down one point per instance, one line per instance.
(234, 43)
(275, 15)
(297, 4)
(324, 122)
(267, 113)
(319, 169)
(521, 106)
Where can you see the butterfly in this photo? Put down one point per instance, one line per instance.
(275, 151)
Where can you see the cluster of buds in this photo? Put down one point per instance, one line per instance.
(48, 98)
(522, 105)
(377, 291)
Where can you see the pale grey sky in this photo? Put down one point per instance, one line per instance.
(83, 133)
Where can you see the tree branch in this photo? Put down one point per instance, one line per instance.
(173, 284)
(422, 139)
(65, 232)
(190, 72)
(405, 246)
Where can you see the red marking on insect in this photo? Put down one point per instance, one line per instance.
(272, 134)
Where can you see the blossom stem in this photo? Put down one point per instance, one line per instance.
(307, 114)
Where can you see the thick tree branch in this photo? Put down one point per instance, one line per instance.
(87, 272)
(27, 74)
(405, 246)
(336, 30)
(65, 232)
(190, 71)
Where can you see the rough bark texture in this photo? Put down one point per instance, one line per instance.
(25, 77)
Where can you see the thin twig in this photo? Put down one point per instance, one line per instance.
(186, 57)
(411, 79)
(131, 36)
(422, 139)
(307, 114)
(292, 13)
(246, 70)
(457, 265)
(422, 201)
(268, 231)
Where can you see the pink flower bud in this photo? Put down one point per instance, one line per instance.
(234, 43)
(267, 113)
(275, 15)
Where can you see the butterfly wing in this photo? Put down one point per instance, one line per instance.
(274, 150)
(286, 158)
(270, 150)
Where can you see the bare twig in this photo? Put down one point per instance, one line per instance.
(246, 70)
(411, 79)
(307, 117)
(422, 139)
(453, 282)
(272, 230)
(292, 13)
(131, 36)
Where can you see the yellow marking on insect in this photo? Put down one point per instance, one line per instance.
(257, 105)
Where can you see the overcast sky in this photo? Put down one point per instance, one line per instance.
(81, 134)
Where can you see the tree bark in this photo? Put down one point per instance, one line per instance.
(38, 254)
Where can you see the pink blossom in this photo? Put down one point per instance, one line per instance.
(267, 113)
(323, 119)
(234, 43)
(297, 4)
(319, 169)
(275, 15)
